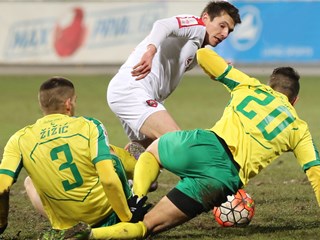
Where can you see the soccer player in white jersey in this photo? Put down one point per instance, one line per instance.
(156, 66)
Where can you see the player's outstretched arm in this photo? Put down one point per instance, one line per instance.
(4, 210)
(113, 189)
(5, 184)
(313, 174)
(213, 65)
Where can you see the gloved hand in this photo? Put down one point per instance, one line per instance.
(138, 208)
(3, 228)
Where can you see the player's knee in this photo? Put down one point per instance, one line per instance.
(29, 187)
(156, 224)
(27, 183)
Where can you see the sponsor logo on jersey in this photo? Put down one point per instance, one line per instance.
(152, 103)
(189, 21)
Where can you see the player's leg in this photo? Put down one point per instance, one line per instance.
(172, 210)
(34, 196)
(147, 170)
(122, 230)
(128, 160)
(165, 215)
(135, 148)
(157, 124)
(80, 231)
(142, 117)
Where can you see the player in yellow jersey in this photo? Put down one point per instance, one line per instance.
(258, 125)
(76, 174)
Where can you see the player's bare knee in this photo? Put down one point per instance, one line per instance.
(152, 225)
(27, 182)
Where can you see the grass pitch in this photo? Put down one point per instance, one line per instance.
(286, 207)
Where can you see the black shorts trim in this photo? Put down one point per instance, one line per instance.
(226, 148)
(186, 204)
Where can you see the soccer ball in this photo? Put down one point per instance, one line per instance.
(237, 211)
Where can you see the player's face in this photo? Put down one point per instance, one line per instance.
(218, 29)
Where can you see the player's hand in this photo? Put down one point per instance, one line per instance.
(3, 228)
(143, 68)
(138, 208)
(229, 62)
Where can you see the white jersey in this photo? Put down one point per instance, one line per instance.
(177, 40)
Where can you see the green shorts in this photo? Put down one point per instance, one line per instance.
(112, 219)
(198, 157)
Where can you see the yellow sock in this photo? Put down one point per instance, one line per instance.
(145, 173)
(122, 230)
(128, 161)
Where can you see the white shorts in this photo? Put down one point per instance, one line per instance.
(132, 101)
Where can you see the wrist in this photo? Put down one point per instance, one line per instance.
(152, 48)
(126, 216)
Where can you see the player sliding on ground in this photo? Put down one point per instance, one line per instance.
(258, 125)
(74, 174)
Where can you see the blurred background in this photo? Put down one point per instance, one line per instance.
(97, 36)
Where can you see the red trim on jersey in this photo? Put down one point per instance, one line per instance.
(189, 21)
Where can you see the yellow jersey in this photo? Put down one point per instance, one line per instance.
(59, 153)
(258, 124)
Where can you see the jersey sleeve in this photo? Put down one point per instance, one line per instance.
(11, 163)
(305, 151)
(190, 27)
(308, 156)
(99, 142)
(218, 69)
(10, 167)
(313, 175)
(112, 175)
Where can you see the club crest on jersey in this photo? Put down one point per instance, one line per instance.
(188, 62)
(189, 21)
(152, 103)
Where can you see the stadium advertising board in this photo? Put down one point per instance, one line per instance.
(275, 32)
(105, 33)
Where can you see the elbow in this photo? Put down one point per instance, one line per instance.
(108, 183)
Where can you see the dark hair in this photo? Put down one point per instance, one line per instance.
(217, 8)
(56, 82)
(286, 81)
(54, 92)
